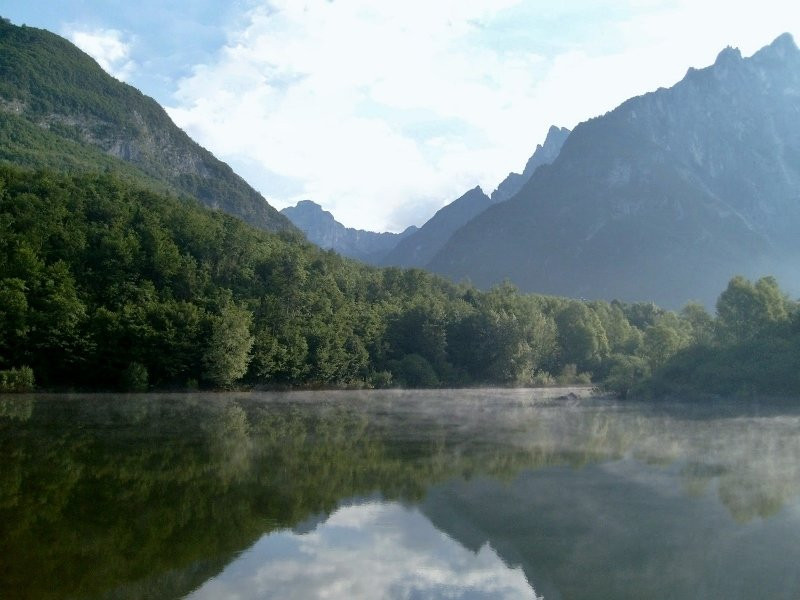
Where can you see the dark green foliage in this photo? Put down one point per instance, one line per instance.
(626, 373)
(582, 337)
(135, 378)
(748, 310)
(228, 352)
(414, 371)
(753, 346)
(108, 285)
(17, 380)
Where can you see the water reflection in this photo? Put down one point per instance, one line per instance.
(157, 495)
(372, 550)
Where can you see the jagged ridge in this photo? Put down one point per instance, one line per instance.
(663, 199)
(325, 231)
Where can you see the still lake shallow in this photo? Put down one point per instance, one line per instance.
(427, 494)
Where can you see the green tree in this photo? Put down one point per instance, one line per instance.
(13, 320)
(745, 310)
(660, 343)
(414, 371)
(626, 373)
(581, 336)
(228, 352)
(135, 378)
(701, 322)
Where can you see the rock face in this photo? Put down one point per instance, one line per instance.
(321, 228)
(544, 154)
(60, 110)
(664, 198)
(417, 249)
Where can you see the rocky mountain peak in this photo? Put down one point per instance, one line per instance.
(544, 154)
(663, 199)
(322, 228)
(417, 249)
(548, 151)
(308, 204)
(783, 45)
(728, 56)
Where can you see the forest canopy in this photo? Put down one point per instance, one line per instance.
(108, 285)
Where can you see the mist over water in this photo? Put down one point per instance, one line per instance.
(465, 494)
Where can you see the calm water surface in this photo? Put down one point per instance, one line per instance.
(454, 494)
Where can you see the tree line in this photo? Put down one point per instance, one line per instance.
(108, 285)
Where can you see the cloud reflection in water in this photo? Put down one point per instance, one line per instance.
(373, 550)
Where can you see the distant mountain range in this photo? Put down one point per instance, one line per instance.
(415, 247)
(326, 232)
(663, 199)
(60, 110)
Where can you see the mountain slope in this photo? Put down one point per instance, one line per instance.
(663, 199)
(60, 110)
(326, 232)
(417, 249)
(544, 154)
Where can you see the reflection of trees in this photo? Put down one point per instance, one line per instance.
(161, 491)
(142, 489)
(16, 407)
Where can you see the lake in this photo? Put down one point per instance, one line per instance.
(393, 494)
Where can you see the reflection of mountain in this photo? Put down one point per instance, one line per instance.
(619, 531)
(371, 550)
(111, 496)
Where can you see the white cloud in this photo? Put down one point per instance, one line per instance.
(383, 112)
(109, 47)
(351, 100)
(378, 550)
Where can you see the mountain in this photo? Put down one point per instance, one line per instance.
(326, 232)
(662, 199)
(543, 155)
(417, 249)
(61, 111)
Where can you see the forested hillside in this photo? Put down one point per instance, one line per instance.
(107, 285)
(59, 110)
(113, 275)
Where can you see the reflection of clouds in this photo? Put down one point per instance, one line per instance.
(375, 550)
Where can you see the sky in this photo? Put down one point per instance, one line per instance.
(383, 112)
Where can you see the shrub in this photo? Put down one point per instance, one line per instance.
(135, 378)
(570, 376)
(625, 374)
(380, 380)
(414, 371)
(17, 380)
(542, 379)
